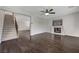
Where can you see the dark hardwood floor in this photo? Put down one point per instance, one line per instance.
(41, 43)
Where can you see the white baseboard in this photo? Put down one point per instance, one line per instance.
(66, 34)
(73, 35)
(39, 33)
(10, 39)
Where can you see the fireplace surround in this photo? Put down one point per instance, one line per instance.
(57, 26)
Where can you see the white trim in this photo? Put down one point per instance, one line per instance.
(72, 35)
(10, 39)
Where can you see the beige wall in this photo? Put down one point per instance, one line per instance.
(9, 30)
(23, 22)
(1, 23)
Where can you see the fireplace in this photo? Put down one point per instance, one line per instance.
(57, 26)
(57, 29)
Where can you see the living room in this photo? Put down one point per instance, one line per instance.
(39, 29)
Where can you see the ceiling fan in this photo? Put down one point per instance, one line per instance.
(48, 11)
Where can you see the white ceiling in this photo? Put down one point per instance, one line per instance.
(35, 10)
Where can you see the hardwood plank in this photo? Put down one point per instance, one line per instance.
(41, 43)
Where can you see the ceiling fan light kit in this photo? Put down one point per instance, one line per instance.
(47, 12)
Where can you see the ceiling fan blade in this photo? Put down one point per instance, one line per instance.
(47, 11)
(52, 13)
(51, 10)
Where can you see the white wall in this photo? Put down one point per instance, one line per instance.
(70, 24)
(1, 23)
(39, 25)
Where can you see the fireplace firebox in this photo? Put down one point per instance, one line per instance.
(57, 30)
